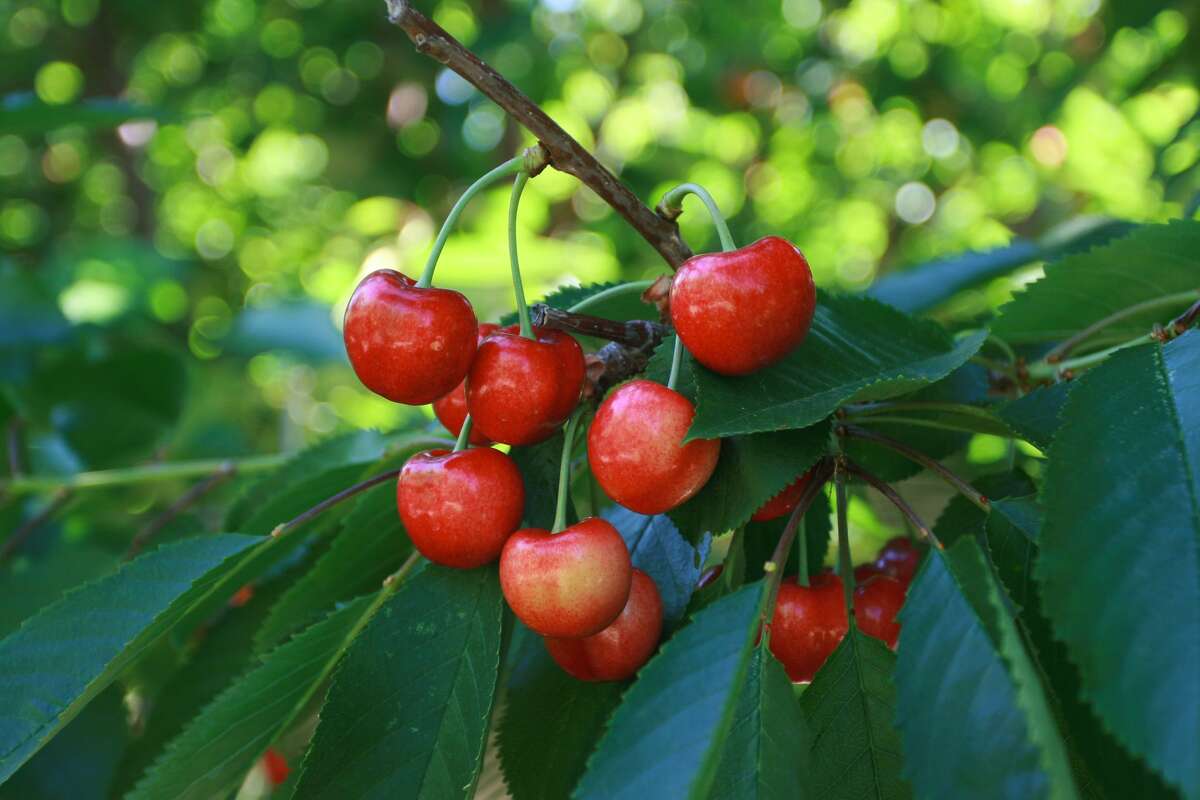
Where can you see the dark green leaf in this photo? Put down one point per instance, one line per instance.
(539, 467)
(925, 286)
(302, 329)
(29, 585)
(665, 738)
(1117, 568)
(29, 315)
(658, 550)
(1011, 535)
(1037, 416)
(49, 677)
(849, 707)
(25, 114)
(407, 713)
(659, 368)
(857, 349)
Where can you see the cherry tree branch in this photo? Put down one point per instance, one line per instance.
(564, 153)
(637, 333)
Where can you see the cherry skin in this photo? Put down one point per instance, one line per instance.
(569, 584)
(785, 502)
(876, 604)
(808, 624)
(739, 311)
(620, 650)
(451, 409)
(899, 559)
(276, 767)
(520, 391)
(636, 450)
(408, 344)
(865, 572)
(460, 508)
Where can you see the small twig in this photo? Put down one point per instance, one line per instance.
(845, 565)
(968, 491)
(638, 333)
(329, 502)
(1063, 350)
(16, 462)
(775, 567)
(185, 501)
(22, 534)
(612, 364)
(899, 502)
(565, 154)
(1185, 320)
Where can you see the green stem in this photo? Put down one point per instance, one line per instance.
(775, 567)
(564, 473)
(802, 571)
(464, 435)
(518, 288)
(1004, 346)
(845, 568)
(887, 406)
(917, 422)
(105, 479)
(676, 361)
(588, 302)
(917, 457)
(1166, 301)
(504, 170)
(674, 198)
(1042, 370)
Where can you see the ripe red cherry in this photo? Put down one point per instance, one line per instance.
(460, 508)
(739, 311)
(864, 573)
(409, 344)
(569, 584)
(899, 559)
(636, 450)
(808, 624)
(520, 391)
(276, 767)
(876, 604)
(621, 649)
(785, 502)
(451, 409)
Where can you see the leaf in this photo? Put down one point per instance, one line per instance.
(1037, 416)
(408, 711)
(1153, 261)
(1011, 536)
(750, 471)
(849, 707)
(550, 725)
(766, 754)
(539, 465)
(61, 659)
(214, 752)
(664, 738)
(857, 349)
(302, 329)
(969, 704)
(29, 314)
(1119, 549)
(658, 549)
(659, 368)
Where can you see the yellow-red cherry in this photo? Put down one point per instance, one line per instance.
(451, 409)
(808, 623)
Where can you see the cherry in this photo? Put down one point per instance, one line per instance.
(785, 502)
(808, 624)
(864, 573)
(876, 604)
(620, 650)
(451, 409)
(276, 767)
(409, 344)
(899, 559)
(570, 584)
(460, 508)
(740, 310)
(242, 596)
(519, 390)
(636, 450)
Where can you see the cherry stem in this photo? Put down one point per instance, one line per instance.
(899, 502)
(778, 563)
(393, 581)
(635, 333)
(464, 435)
(888, 406)
(916, 422)
(612, 291)
(564, 472)
(184, 502)
(845, 567)
(1167, 301)
(672, 204)
(330, 502)
(518, 288)
(112, 478)
(507, 168)
(967, 490)
(676, 361)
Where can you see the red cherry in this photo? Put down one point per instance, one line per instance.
(242, 596)
(808, 624)
(865, 572)
(876, 604)
(785, 502)
(621, 649)
(636, 450)
(710, 576)
(519, 390)
(276, 767)
(899, 559)
(460, 508)
(569, 584)
(451, 409)
(739, 311)
(410, 345)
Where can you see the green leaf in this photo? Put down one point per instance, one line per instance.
(970, 706)
(408, 711)
(1120, 545)
(29, 314)
(761, 537)
(1011, 536)
(750, 471)
(665, 738)
(551, 724)
(659, 368)
(539, 468)
(1036, 416)
(214, 752)
(1152, 262)
(857, 349)
(61, 659)
(766, 754)
(303, 329)
(658, 549)
(849, 707)
(25, 114)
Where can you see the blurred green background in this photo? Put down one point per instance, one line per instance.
(172, 289)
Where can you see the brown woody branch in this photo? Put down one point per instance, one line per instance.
(639, 334)
(565, 154)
